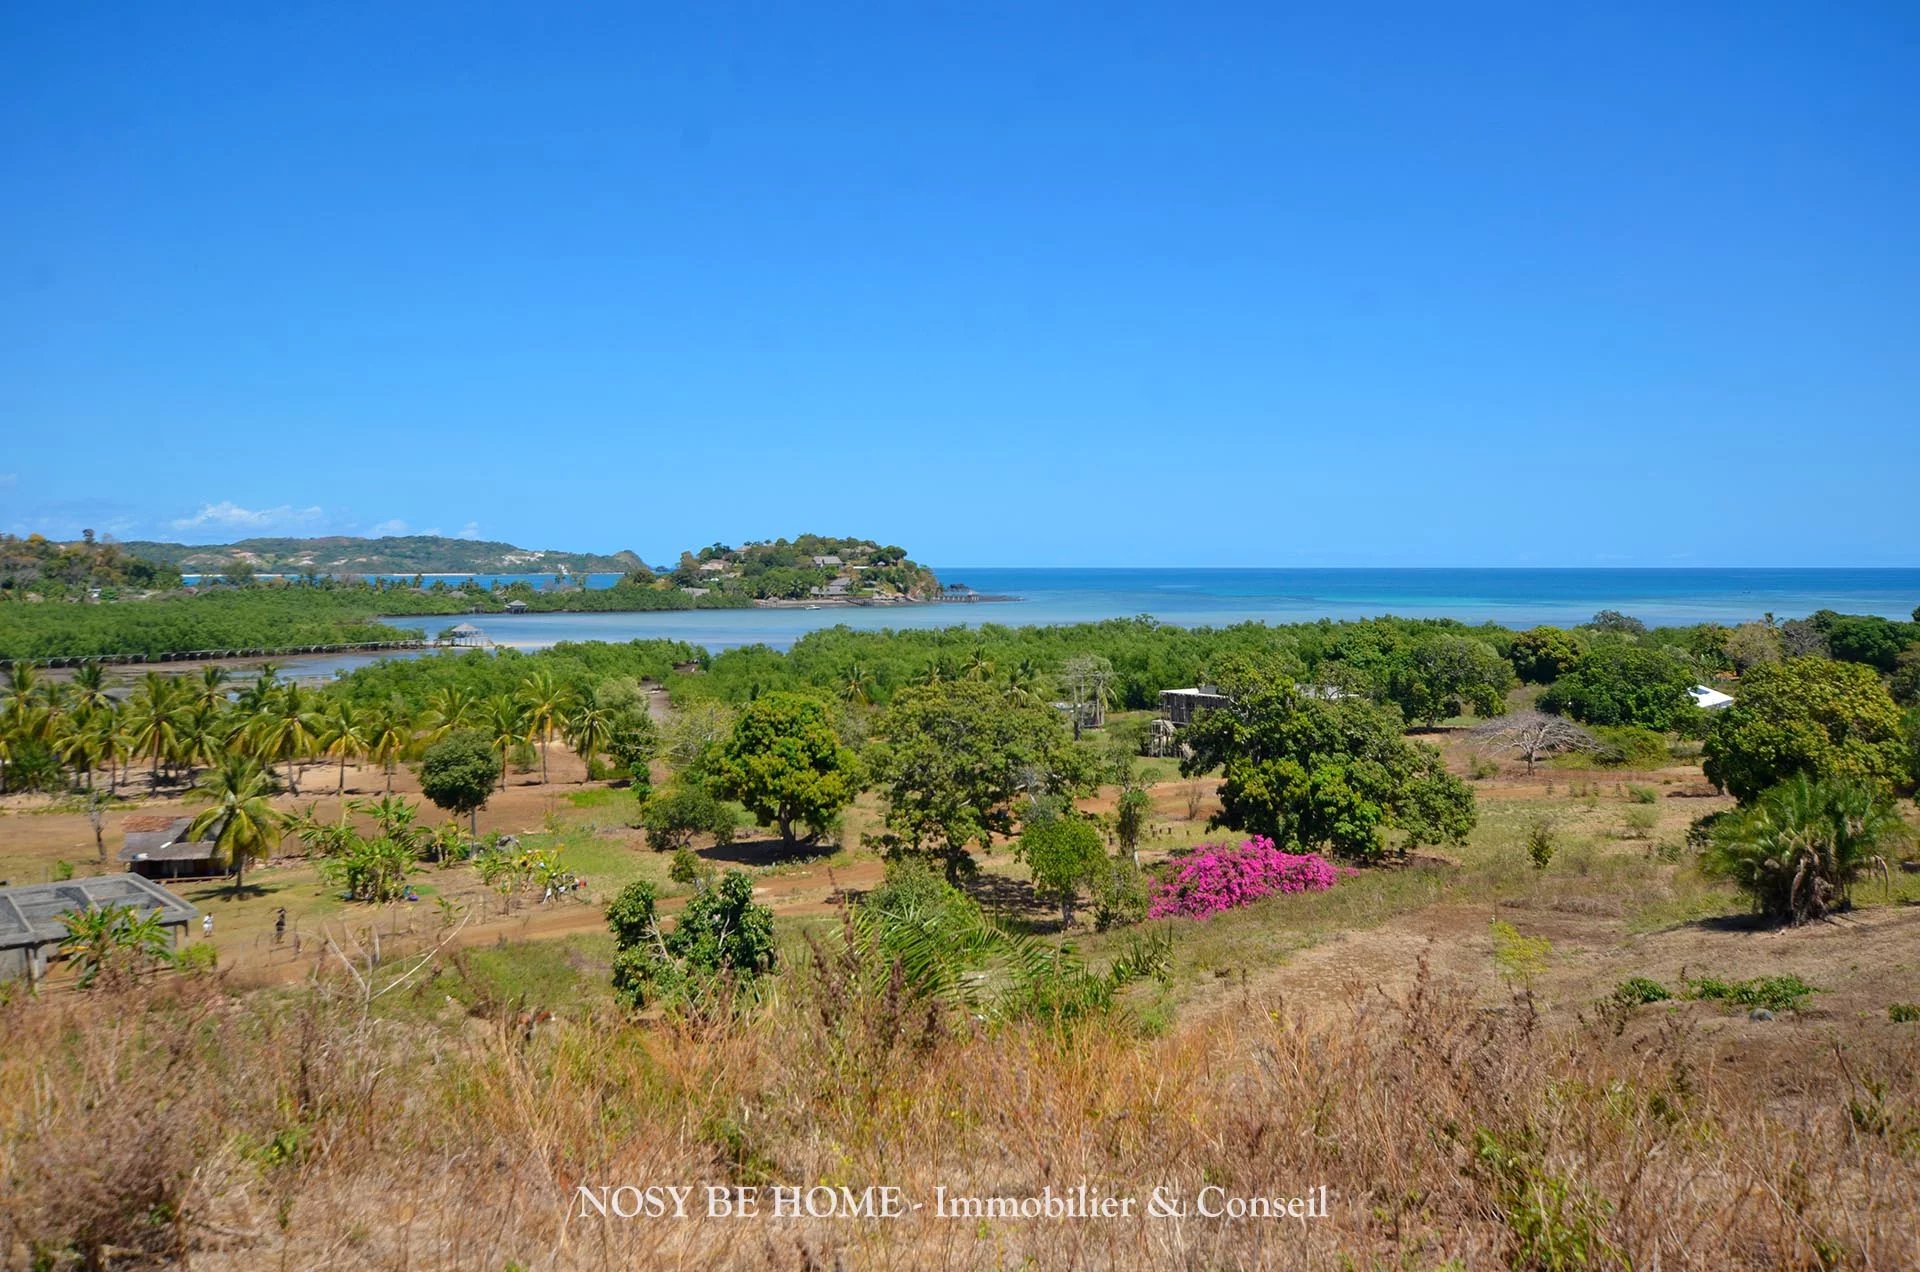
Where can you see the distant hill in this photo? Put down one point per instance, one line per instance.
(402, 554)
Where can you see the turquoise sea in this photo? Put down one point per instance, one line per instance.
(1214, 597)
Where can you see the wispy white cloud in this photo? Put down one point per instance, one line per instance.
(469, 531)
(227, 515)
(395, 526)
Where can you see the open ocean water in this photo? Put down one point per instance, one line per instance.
(1204, 597)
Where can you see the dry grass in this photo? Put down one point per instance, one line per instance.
(178, 1123)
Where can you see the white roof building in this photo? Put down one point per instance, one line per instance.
(1710, 699)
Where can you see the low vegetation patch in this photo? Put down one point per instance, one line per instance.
(1774, 993)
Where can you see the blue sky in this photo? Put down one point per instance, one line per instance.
(1228, 284)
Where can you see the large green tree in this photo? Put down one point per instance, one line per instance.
(1443, 675)
(1827, 720)
(457, 774)
(1620, 683)
(951, 758)
(1798, 849)
(785, 763)
(1316, 774)
(1065, 854)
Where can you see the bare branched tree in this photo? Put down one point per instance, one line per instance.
(1532, 734)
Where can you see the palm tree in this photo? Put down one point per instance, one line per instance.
(211, 692)
(858, 687)
(507, 722)
(1023, 683)
(152, 718)
(239, 812)
(978, 666)
(389, 735)
(451, 709)
(544, 701)
(1798, 850)
(344, 730)
(285, 728)
(80, 745)
(586, 725)
(89, 688)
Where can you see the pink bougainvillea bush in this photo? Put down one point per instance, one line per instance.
(1220, 877)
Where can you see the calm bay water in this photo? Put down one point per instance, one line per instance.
(1192, 598)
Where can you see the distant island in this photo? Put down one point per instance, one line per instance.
(338, 555)
(132, 601)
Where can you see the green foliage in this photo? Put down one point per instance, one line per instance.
(1119, 894)
(1065, 855)
(785, 763)
(723, 942)
(1520, 958)
(1774, 993)
(950, 759)
(1643, 794)
(1310, 773)
(1541, 844)
(1903, 1013)
(1797, 850)
(110, 945)
(1807, 716)
(1626, 746)
(1555, 1223)
(1616, 683)
(1442, 675)
(674, 814)
(1865, 638)
(457, 773)
(1542, 655)
(239, 816)
(55, 571)
(688, 869)
(1637, 991)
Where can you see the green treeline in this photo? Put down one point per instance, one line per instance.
(282, 616)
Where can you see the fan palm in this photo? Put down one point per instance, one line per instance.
(239, 814)
(1798, 850)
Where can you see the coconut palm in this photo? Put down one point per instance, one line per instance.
(544, 700)
(239, 814)
(857, 689)
(586, 725)
(285, 727)
(389, 735)
(152, 721)
(344, 735)
(1798, 850)
(505, 720)
(450, 709)
(89, 688)
(210, 691)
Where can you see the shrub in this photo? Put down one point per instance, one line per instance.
(1798, 851)
(1541, 844)
(687, 868)
(1628, 747)
(1637, 991)
(1775, 993)
(1217, 877)
(1479, 768)
(1904, 1013)
(1640, 823)
(674, 814)
(723, 941)
(1119, 894)
(1643, 794)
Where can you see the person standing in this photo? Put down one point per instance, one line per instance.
(279, 924)
(206, 925)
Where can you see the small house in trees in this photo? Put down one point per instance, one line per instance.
(516, 607)
(1181, 705)
(1710, 699)
(156, 846)
(467, 634)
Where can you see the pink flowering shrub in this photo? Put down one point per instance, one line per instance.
(1220, 877)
